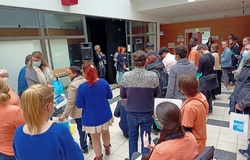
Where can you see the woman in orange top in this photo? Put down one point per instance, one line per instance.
(194, 110)
(174, 143)
(11, 117)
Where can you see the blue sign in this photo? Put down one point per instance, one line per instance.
(238, 126)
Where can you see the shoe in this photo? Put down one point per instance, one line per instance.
(244, 153)
(85, 150)
(107, 149)
(126, 159)
(155, 132)
(98, 158)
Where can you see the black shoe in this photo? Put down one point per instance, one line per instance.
(244, 153)
(126, 159)
(85, 150)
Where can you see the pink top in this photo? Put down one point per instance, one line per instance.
(169, 61)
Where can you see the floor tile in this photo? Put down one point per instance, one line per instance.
(228, 138)
(213, 128)
(118, 139)
(211, 142)
(212, 135)
(224, 155)
(226, 146)
(122, 151)
(114, 157)
(242, 141)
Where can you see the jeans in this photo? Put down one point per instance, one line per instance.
(101, 71)
(5, 157)
(136, 120)
(225, 76)
(120, 74)
(83, 141)
(208, 96)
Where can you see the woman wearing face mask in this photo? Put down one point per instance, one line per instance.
(243, 60)
(38, 71)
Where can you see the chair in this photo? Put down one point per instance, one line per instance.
(207, 154)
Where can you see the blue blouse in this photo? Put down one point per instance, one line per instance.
(94, 102)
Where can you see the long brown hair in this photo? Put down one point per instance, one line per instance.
(39, 55)
(169, 116)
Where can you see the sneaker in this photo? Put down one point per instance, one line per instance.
(85, 150)
(244, 153)
(155, 132)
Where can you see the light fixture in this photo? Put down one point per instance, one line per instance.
(191, 0)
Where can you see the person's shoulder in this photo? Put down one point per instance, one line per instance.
(58, 128)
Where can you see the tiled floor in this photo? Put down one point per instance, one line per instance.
(218, 135)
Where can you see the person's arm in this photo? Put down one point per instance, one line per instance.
(70, 149)
(115, 57)
(188, 118)
(80, 102)
(109, 92)
(191, 57)
(200, 65)
(245, 101)
(226, 56)
(171, 83)
(71, 101)
(117, 112)
(18, 118)
(97, 57)
(31, 77)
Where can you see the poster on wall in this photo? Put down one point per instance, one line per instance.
(171, 45)
(180, 39)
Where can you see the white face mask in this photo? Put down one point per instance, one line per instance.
(6, 79)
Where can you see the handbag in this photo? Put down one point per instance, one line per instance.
(208, 82)
(239, 125)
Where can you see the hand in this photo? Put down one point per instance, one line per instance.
(124, 67)
(238, 107)
(50, 86)
(61, 118)
(103, 54)
(233, 72)
(146, 142)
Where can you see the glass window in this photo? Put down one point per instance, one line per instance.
(15, 23)
(62, 25)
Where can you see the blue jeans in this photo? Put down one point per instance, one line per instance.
(120, 74)
(101, 72)
(83, 141)
(5, 157)
(136, 120)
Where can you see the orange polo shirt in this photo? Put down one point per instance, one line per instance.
(194, 115)
(194, 55)
(11, 116)
(176, 149)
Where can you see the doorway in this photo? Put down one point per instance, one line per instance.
(109, 34)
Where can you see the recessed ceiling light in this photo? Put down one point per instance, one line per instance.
(191, 0)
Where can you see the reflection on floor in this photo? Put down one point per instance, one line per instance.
(218, 135)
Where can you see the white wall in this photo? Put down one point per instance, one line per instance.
(13, 55)
(121, 9)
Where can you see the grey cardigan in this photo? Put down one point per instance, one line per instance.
(31, 77)
(182, 67)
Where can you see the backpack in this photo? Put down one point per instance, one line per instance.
(163, 81)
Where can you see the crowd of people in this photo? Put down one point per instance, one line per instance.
(26, 131)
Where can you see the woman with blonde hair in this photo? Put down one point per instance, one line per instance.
(11, 117)
(14, 100)
(38, 71)
(39, 138)
(92, 97)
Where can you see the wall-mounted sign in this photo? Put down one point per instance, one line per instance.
(161, 33)
(171, 45)
(215, 37)
(180, 35)
(180, 39)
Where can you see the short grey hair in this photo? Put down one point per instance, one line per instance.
(96, 47)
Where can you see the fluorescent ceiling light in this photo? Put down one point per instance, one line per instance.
(191, 0)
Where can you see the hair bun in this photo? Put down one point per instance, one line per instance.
(4, 97)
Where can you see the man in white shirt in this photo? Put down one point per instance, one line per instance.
(169, 59)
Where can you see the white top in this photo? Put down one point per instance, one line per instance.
(217, 65)
(169, 61)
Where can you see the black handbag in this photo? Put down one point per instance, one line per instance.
(208, 82)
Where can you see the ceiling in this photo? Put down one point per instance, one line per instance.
(182, 11)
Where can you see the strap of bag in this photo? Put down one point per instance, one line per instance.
(197, 100)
